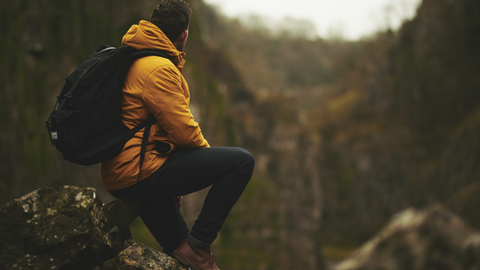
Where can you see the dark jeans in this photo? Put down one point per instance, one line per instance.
(226, 169)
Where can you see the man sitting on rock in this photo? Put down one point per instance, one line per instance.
(185, 163)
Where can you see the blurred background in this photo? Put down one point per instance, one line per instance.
(348, 126)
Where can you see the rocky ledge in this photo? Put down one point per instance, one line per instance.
(70, 228)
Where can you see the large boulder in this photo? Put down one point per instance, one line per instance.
(428, 239)
(62, 228)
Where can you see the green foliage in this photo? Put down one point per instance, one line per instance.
(344, 186)
(465, 202)
(250, 237)
(140, 233)
(337, 253)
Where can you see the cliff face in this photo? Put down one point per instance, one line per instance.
(401, 129)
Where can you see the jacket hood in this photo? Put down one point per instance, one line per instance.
(146, 35)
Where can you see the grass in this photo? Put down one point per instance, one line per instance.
(337, 253)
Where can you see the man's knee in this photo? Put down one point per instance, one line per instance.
(248, 160)
(244, 154)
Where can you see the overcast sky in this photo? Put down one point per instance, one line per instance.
(350, 18)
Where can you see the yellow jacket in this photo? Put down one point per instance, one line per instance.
(154, 85)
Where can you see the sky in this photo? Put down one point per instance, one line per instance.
(348, 19)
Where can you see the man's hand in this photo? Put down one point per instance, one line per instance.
(179, 201)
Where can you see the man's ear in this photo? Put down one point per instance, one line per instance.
(181, 40)
(183, 37)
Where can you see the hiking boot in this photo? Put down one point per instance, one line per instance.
(198, 258)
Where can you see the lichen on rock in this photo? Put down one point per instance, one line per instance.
(142, 257)
(68, 228)
(54, 227)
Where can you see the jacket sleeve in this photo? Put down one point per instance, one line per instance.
(165, 98)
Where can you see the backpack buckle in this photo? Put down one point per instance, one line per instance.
(51, 133)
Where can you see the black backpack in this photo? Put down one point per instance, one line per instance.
(86, 123)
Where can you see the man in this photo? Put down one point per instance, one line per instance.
(184, 163)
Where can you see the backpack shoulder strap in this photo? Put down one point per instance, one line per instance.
(148, 125)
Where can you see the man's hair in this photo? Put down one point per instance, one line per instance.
(172, 17)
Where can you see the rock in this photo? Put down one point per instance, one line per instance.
(123, 211)
(137, 256)
(62, 228)
(432, 238)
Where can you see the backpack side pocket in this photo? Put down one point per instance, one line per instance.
(62, 133)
